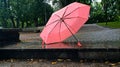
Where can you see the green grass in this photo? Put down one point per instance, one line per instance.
(110, 24)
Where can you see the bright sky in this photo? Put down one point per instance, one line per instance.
(50, 2)
(98, 0)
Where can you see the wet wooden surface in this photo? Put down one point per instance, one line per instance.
(90, 36)
(97, 43)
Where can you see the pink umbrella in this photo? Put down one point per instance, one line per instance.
(65, 23)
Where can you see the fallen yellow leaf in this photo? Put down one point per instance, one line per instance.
(106, 62)
(54, 62)
(68, 59)
(113, 64)
(60, 60)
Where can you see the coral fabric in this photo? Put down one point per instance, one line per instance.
(65, 22)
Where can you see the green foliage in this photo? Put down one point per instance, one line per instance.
(96, 13)
(27, 13)
(110, 9)
(104, 11)
(63, 3)
(24, 13)
(107, 10)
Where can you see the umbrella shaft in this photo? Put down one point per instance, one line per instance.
(71, 32)
(75, 38)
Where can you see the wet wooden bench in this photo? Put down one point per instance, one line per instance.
(9, 34)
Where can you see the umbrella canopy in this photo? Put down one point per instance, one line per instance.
(65, 22)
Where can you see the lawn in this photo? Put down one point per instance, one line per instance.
(110, 24)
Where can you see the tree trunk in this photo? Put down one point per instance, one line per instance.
(12, 20)
(4, 22)
(18, 22)
(105, 8)
(22, 24)
(36, 22)
(106, 17)
(27, 24)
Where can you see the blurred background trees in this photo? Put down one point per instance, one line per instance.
(34, 13)
(24, 13)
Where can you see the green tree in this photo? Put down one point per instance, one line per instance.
(96, 13)
(111, 10)
(66, 2)
(40, 10)
(4, 12)
(24, 13)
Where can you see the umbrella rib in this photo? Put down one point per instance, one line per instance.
(71, 17)
(70, 27)
(53, 22)
(59, 30)
(54, 27)
(65, 12)
(71, 12)
(70, 30)
(57, 15)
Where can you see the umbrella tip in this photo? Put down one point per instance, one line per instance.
(43, 44)
(79, 44)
